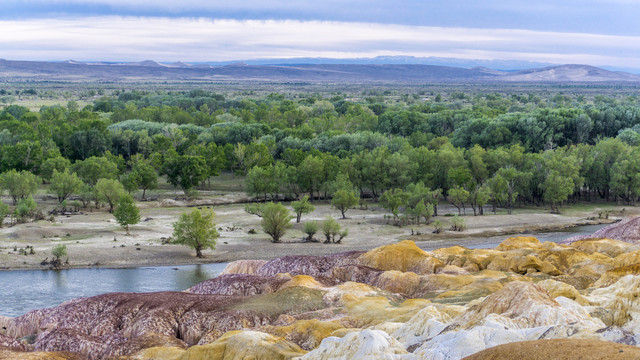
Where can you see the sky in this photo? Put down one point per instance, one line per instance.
(594, 32)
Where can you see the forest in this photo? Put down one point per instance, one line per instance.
(407, 149)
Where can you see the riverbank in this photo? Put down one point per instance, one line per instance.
(94, 239)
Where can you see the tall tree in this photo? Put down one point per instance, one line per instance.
(19, 184)
(196, 230)
(126, 212)
(64, 184)
(275, 220)
(109, 191)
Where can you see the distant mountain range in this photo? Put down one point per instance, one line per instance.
(327, 73)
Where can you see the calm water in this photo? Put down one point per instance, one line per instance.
(22, 291)
(543, 236)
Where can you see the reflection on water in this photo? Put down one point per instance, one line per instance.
(22, 291)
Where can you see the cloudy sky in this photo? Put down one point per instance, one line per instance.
(569, 31)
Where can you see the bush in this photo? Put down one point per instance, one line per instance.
(310, 228)
(331, 229)
(4, 211)
(438, 227)
(275, 220)
(458, 224)
(58, 251)
(26, 209)
(302, 206)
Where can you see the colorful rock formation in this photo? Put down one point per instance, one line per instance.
(393, 302)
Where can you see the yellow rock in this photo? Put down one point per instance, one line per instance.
(398, 282)
(521, 263)
(403, 256)
(519, 242)
(557, 288)
(243, 267)
(613, 275)
(468, 259)
(627, 259)
(302, 280)
(349, 292)
(525, 305)
(232, 345)
(621, 301)
(371, 311)
(306, 333)
(608, 247)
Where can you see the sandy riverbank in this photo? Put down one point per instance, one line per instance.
(94, 239)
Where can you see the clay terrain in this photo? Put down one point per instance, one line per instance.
(395, 301)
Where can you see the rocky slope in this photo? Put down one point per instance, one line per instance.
(393, 302)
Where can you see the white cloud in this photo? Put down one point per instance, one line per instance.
(186, 39)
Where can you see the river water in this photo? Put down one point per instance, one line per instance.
(22, 291)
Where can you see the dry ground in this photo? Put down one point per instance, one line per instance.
(95, 239)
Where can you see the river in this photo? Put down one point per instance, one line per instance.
(25, 290)
(22, 291)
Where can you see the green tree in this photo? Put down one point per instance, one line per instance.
(310, 174)
(343, 200)
(421, 210)
(4, 211)
(58, 252)
(310, 228)
(393, 200)
(146, 176)
(196, 230)
(275, 220)
(478, 198)
(458, 196)
(25, 209)
(511, 177)
(257, 182)
(498, 189)
(302, 206)
(185, 171)
(94, 168)
(557, 188)
(129, 181)
(126, 212)
(19, 184)
(64, 184)
(109, 191)
(58, 163)
(625, 178)
(330, 228)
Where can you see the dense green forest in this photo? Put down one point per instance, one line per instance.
(407, 150)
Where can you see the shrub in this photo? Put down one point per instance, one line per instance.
(458, 224)
(275, 220)
(438, 227)
(58, 251)
(310, 228)
(331, 229)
